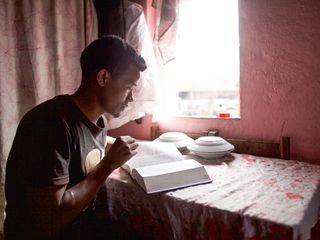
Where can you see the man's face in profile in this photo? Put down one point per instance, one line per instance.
(119, 91)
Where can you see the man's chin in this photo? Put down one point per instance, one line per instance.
(118, 113)
(115, 115)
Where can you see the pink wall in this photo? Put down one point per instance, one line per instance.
(280, 79)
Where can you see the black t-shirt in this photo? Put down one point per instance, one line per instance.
(55, 144)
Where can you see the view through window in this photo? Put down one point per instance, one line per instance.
(206, 68)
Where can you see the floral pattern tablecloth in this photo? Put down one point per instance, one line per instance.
(249, 198)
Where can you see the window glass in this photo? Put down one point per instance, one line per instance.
(204, 77)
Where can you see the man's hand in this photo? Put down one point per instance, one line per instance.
(109, 142)
(54, 207)
(122, 150)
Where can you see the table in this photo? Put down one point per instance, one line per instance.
(249, 198)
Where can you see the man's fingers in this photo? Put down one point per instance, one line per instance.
(126, 139)
(133, 152)
(131, 141)
(134, 146)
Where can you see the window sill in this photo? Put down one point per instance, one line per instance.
(204, 117)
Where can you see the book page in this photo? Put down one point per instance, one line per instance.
(152, 153)
(167, 168)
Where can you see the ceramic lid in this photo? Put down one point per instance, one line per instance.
(210, 141)
(180, 140)
(172, 136)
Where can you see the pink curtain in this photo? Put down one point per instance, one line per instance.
(40, 45)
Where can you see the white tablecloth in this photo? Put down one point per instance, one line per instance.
(249, 198)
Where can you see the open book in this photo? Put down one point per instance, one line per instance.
(160, 167)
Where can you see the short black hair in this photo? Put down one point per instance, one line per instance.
(112, 53)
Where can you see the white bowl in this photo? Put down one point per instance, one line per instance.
(225, 147)
(180, 140)
(210, 147)
(211, 155)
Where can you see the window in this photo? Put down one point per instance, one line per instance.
(204, 77)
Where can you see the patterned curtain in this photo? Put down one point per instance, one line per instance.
(40, 46)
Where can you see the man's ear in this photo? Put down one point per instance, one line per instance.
(103, 77)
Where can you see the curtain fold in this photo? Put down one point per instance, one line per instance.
(40, 47)
(165, 38)
(110, 14)
(166, 29)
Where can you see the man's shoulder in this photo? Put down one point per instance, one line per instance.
(54, 114)
(52, 109)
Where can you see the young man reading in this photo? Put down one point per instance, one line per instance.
(49, 188)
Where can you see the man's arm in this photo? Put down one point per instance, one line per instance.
(54, 207)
